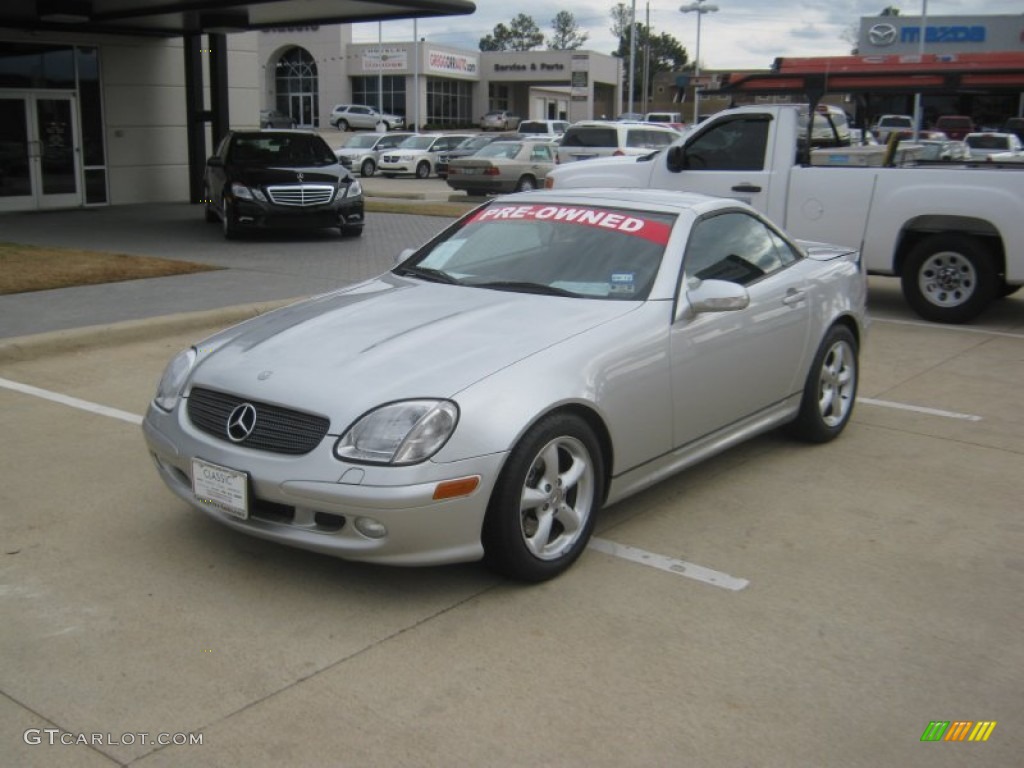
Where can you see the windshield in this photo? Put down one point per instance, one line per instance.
(418, 142)
(288, 149)
(362, 141)
(581, 251)
(988, 142)
(506, 149)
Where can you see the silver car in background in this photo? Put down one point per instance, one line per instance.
(362, 150)
(546, 355)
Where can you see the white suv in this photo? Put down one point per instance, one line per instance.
(602, 138)
(347, 117)
(417, 155)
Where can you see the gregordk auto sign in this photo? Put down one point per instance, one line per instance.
(441, 61)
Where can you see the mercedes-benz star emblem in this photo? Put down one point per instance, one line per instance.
(241, 422)
(882, 34)
(301, 176)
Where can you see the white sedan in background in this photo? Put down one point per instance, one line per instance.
(546, 355)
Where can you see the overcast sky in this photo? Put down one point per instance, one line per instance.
(742, 34)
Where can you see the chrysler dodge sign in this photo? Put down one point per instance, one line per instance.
(887, 34)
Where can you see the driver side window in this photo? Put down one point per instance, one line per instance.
(736, 247)
(734, 145)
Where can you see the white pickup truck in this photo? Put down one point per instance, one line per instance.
(954, 235)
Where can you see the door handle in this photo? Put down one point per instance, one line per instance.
(794, 297)
(746, 188)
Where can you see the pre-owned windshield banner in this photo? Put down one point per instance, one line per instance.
(627, 223)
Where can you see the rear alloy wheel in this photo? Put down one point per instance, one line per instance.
(423, 170)
(368, 168)
(830, 390)
(526, 184)
(544, 505)
(949, 278)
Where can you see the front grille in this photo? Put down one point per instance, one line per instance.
(277, 429)
(301, 194)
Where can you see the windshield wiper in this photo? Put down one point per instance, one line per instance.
(426, 273)
(525, 287)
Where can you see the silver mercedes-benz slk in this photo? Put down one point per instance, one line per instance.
(546, 355)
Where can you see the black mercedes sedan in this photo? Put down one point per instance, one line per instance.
(280, 179)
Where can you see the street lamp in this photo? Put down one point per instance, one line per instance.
(698, 7)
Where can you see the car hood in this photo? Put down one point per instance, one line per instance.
(392, 338)
(260, 176)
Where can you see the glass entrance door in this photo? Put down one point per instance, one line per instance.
(39, 158)
(300, 107)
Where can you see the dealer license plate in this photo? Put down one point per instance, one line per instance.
(226, 489)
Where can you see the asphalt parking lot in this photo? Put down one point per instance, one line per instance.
(780, 605)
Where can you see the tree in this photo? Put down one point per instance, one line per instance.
(567, 35)
(890, 10)
(522, 34)
(666, 53)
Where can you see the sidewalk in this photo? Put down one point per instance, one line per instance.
(255, 272)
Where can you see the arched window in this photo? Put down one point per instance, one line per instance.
(296, 86)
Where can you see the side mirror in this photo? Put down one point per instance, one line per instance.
(675, 158)
(405, 254)
(717, 296)
(215, 161)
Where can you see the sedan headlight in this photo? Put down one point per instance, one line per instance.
(406, 432)
(247, 193)
(355, 189)
(174, 378)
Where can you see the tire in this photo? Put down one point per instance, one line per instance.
(423, 170)
(208, 213)
(831, 388)
(949, 278)
(368, 168)
(544, 506)
(227, 221)
(526, 184)
(341, 125)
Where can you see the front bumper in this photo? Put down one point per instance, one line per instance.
(312, 501)
(343, 212)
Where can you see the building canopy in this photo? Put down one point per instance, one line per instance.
(174, 18)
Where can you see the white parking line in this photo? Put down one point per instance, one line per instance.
(670, 564)
(955, 328)
(74, 402)
(919, 409)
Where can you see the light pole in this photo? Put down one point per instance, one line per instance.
(698, 7)
(918, 111)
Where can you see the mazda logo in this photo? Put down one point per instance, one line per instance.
(241, 422)
(882, 34)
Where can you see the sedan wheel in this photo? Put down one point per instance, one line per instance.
(526, 184)
(227, 221)
(831, 388)
(544, 506)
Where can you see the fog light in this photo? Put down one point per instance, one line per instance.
(370, 528)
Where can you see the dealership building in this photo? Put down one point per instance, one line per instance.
(304, 72)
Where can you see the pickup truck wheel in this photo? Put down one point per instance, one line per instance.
(949, 278)
(830, 390)
(544, 506)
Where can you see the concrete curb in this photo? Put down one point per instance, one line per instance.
(35, 346)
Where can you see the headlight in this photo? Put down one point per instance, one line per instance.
(174, 378)
(246, 193)
(355, 189)
(399, 433)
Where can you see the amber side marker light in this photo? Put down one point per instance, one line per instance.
(451, 489)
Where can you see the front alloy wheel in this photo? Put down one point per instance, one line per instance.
(544, 506)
